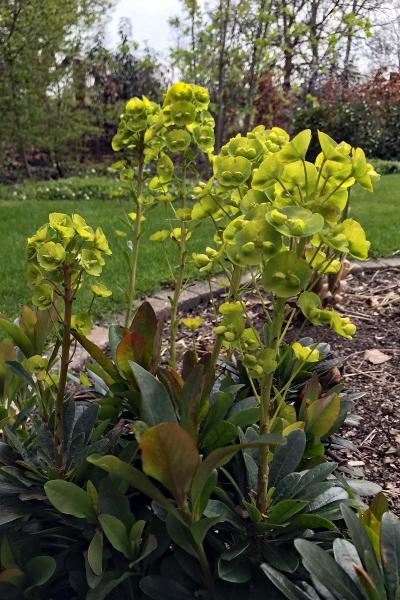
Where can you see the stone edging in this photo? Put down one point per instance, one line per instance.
(198, 291)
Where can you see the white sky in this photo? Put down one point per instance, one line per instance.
(149, 19)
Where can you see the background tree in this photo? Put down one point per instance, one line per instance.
(38, 42)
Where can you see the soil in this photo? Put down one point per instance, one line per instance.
(371, 367)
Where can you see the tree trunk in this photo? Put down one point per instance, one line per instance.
(254, 71)
(224, 16)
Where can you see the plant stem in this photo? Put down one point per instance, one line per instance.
(205, 568)
(135, 242)
(265, 400)
(65, 350)
(180, 277)
(233, 290)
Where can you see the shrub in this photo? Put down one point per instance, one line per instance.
(144, 481)
(72, 188)
(386, 167)
(366, 114)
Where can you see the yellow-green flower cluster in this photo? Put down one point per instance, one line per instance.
(282, 214)
(139, 114)
(64, 244)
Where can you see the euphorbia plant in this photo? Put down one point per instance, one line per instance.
(278, 216)
(187, 132)
(60, 255)
(134, 139)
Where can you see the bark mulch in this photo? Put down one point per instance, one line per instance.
(371, 367)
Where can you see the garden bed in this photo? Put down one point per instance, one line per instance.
(373, 303)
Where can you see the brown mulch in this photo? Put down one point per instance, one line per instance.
(372, 366)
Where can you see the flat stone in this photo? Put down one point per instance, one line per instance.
(372, 264)
(188, 300)
(161, 306)
(99, 336)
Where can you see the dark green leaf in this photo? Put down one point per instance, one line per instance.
(7, 558)
(69, 499)
(200, 528)
(390, 551)
(39, 570)
(323, 567)
(287, 458)
(155, 405)
(216, 508)
(363, 546)
(346, 557)
(284, 510)
(180, 534)
(135, 478)
(95, 553)
(109, 582)
(280, 556)
(221, 456)
(219, 435)
(158, 588)
(310, 521)
(246, 417)
(235, 571)
(280, 581)
(116, 534)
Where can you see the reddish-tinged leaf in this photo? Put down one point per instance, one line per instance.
(146, 324)
(322, 414)
(133, 348)
(173, 382)
(170, 456)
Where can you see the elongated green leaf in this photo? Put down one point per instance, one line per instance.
(109, 581)
(69, 499)
(157, 587)
(20, 339)
(323, 567)
(221, 456)
(322, 414)
(135, 478)
(200, 528)
(7, 558)
(281, 556)
(390, 552)
(219, 435)
(98, 355)
(95, 553)
(284, 510)
(155, 405)
(20, 372)
(170, 456)
(283, 584)
(287, 458)
(39, 570)
(364, 547)
(347, 557)
(180, 534)
(116, 534)
(309, 521)
(246, 417)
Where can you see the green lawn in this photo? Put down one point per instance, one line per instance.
(379, 213)
(18, 220)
